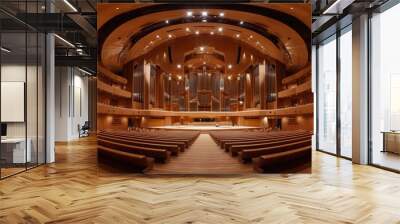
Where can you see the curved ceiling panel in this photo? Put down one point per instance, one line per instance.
(128, 30)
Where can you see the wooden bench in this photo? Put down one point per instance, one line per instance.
(174, 149)
(228, 143)
(159, 155)
(277, 161)
(235, 149)
(248, 154)
(130, 160)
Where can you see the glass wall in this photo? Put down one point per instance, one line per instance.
(326, 95)
(385, 89)
(346, 92)
(22, 87)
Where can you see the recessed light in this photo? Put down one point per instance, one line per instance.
(241, 22)
(237, 35)
(291, 8)
(117, 8)
(197, 32)
(221, 14)
(158, 36)
(251, 36)
(187, 29)
(169, 35)
(230, 77)
(166, 21)
(220, 29)
(212, 33)
(204, 62)
(179, 77)
(169, 78)
(229, 66)
(204, 13)
(178, 66)
(204, 20)
(151, 42)
(189, 13)
(201, 48)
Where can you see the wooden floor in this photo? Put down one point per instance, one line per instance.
(77, 190)
(203, 157)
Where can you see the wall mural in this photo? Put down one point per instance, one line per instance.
(205, 88)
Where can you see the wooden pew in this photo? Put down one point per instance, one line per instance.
(276, 161)
(235, 149)
(228, 142)
(130, 160)
(159, 155)
(248, 154)
(174, 149)
(256, 143)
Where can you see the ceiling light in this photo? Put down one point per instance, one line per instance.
(220, 29)
(237, 35)
(204, 20)
(151, 42)
(291, 8)
(229, 66)
(5, 50)
(230, 77)
(166, 21)
(251, 36)
(204, 13)
(209, 74)
(204, 62)
(158, 36)
(117, 8)
(212, 33)
(197, 32)
(187, 29)
(179, 77)
(64, 40)
(189, 13)
(70, 5)
(169, 78)
(201, 48)
(221, 14)
(178, 66)
(169, 36)
(43, 7)
(241, 22)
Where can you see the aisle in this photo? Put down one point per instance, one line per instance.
(203, 157)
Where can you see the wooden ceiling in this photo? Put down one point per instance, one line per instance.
(126, 34)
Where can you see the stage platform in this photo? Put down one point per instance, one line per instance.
(205, 128)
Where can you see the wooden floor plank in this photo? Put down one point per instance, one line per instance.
(76, 189)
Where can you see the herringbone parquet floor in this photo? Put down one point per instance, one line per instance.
(77, 190)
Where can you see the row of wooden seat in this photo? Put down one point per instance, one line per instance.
(271, 151)
(139, 149)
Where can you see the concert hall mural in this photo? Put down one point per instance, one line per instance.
(205, 88)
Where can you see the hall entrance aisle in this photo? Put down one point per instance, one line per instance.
(204, 156)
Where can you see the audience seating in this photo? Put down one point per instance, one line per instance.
(279, 161)
(247, 154)
(159, 155)
(174, 149)
(271, 150)
(139, 149)
(129, 160)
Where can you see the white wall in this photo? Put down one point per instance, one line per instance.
(71, 93)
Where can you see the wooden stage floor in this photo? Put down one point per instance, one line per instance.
(76, 189)
(204, 128)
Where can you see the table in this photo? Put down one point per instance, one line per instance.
(391, 141)
(13, 150)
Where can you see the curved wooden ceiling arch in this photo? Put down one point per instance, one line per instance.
(296, 24)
